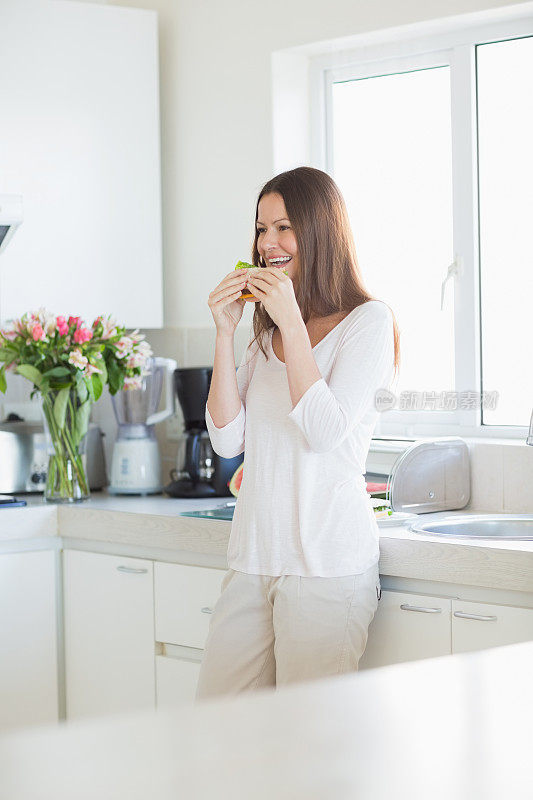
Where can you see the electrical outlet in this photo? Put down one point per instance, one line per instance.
(174, 427)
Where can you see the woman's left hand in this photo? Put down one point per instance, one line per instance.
(276, 291)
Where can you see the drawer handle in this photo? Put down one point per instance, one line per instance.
(133, 570)
(207, 610)
(481, 617)
(407, 607)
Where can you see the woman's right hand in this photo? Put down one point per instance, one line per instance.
(224, 302)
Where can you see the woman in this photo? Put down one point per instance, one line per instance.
(303, 580)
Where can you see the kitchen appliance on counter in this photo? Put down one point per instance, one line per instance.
(136, 461)
(199, 472)
(24, 461)
(422, 475)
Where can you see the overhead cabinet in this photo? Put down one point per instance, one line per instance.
(80, 142)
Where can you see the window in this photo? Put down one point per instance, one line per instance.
(430, 141)
(392, 160)
(505, 137)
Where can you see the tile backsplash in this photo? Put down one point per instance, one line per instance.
(501, 472)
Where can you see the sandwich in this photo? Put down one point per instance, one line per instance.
(382, 508)
(246, 295)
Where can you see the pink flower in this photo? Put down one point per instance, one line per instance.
(62, 326)
(74, 321)
(37, 332)
(82, 335)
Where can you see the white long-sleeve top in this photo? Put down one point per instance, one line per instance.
(303, 508)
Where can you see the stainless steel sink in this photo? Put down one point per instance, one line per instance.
(479, 526)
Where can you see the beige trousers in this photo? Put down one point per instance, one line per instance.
(271, 631)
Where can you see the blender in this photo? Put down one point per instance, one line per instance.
(136, 462)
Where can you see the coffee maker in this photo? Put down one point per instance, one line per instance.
(200, 472)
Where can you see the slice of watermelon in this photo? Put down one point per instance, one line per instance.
(235, 483)
(376, 487)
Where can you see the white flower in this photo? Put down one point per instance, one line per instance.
(49, 325)
(135, 360)
(90, 368)
(124, 347)
(77, 359)
(109, 328)
(133, 383)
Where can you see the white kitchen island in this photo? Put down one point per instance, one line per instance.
(456, 727)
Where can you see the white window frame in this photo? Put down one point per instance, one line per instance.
(456, 48)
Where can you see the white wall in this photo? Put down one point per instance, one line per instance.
(217, 120)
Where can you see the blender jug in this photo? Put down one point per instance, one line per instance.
(136, 462)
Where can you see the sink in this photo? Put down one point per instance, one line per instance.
(479, 526)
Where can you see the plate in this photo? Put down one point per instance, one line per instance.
(396, 518)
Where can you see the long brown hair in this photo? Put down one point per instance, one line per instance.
(329, 279)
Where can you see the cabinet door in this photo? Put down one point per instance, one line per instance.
(176, 679)
(28, 639)
(477, 626)
(88, 76)
(184, 600)
(109, 634)
(407, 627)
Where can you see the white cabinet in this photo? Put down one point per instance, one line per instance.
(184, 600)
(135, 632)
(407, 627)
(80, 141)
(477, 626)
(28, 639)
(109, 634)
(176, 676)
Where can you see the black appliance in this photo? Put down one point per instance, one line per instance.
(199, 472)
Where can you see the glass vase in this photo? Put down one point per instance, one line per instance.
(66, 421)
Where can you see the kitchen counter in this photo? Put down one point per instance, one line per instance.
(451, 727)
(151, 527)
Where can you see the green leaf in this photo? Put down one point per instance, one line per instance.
(114, 376)
(82, 420)
(81, 387)
(57, 371)
(60, 407)
(90, 387)
(7, 355)
(97, 385)
(29, 372)
(3, 382)
(100, 363)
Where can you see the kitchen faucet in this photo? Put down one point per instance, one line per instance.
(529, 439)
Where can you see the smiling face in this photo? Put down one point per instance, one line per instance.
(275, 236)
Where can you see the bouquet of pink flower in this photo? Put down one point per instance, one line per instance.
(69, 364)
(56, 352)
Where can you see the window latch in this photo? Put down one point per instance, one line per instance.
(455, 268)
